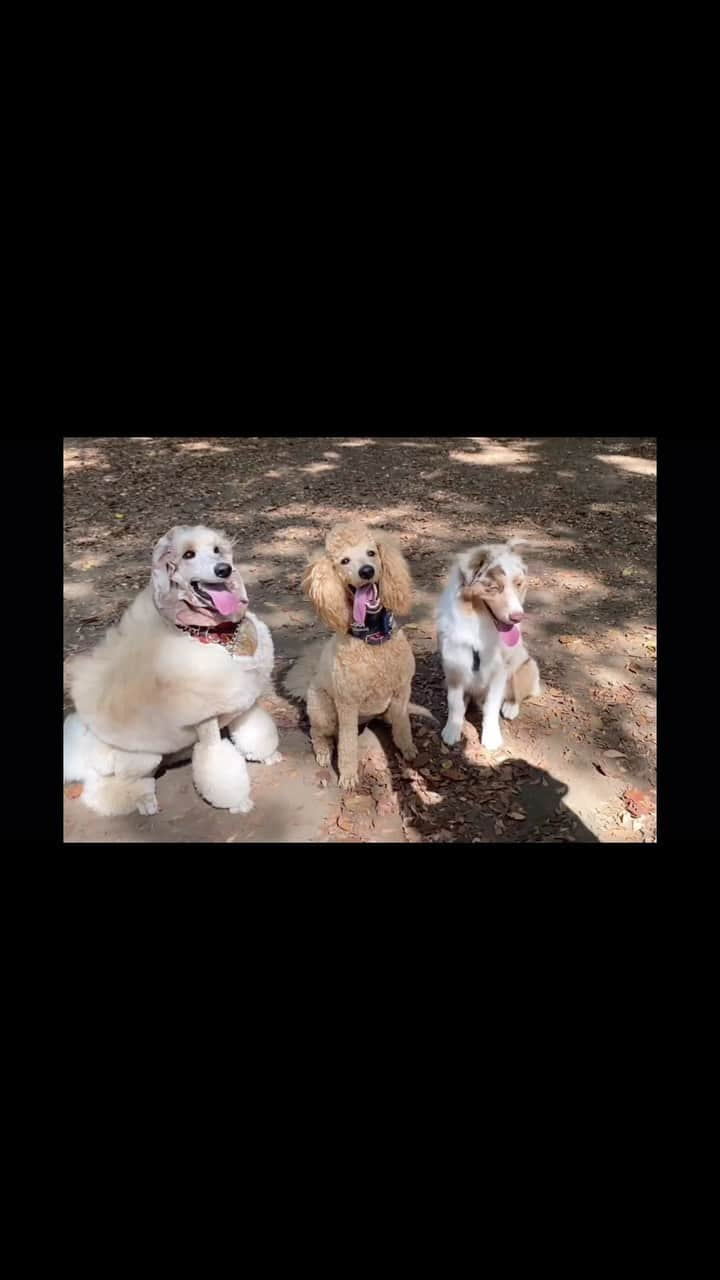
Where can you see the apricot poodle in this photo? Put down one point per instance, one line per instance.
(356, 586)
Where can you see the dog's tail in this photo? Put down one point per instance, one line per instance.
(415, 710)
(296, 680)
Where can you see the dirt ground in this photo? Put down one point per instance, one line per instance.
(578, 764)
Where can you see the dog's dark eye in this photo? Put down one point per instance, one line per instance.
(346, 560)
(371, 553)
(188, 555)
(216, 551)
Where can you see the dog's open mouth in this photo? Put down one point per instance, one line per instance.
(217, 596)
(365, 600)
(509, 631)
(502, 626)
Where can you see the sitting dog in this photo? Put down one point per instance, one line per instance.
(366, 669)
(480, 641)
(186, 659)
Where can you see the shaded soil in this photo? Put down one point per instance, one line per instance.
(587, 509)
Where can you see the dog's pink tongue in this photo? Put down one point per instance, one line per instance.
(363, 597)
(225, 601)
(510, 637)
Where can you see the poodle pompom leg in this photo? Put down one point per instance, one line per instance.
(255, 736)
(117, 797)
(220, 775)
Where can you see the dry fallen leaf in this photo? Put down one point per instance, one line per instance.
(517, 814)
(637, 802)
(74, 790)
(612, 754)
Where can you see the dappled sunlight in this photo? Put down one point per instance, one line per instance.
(634, 466)
(202, 446)
(316, 467)
(76, 459)
(78, 590)
(492, 455)
(355, 444)
(85, 563)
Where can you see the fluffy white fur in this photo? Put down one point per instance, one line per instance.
(485, 581)
(150, 690)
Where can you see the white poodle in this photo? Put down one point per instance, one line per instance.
(186, 659)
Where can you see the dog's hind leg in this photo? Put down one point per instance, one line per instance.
(397, 714)
(323, 723)
(526, 681)
(130, 787)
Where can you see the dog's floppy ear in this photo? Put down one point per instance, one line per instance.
(514, 545)
(323, 587)
(396, 584)
(163, 565)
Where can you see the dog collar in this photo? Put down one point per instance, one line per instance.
(385, 628)
(238, 638)
(224, 634)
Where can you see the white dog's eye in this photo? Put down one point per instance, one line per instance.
(216, 551)
(371, 553)
(188, 555)
(346, 560)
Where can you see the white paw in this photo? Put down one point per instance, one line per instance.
(245, 807)
(348, 781)
(451, 734)
(275, 758)
(491, 739)
(510, 710)
(148, 804)
(409, 753)
(322, 758)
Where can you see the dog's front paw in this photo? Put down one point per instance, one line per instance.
(510, 710)
(147, 804)
(323, 758)
(409, 753)
(451, 734)
(491, 739)
(275, 758)
(348, 781)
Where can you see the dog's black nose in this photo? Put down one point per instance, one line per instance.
(367, 571)
(223, 570)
